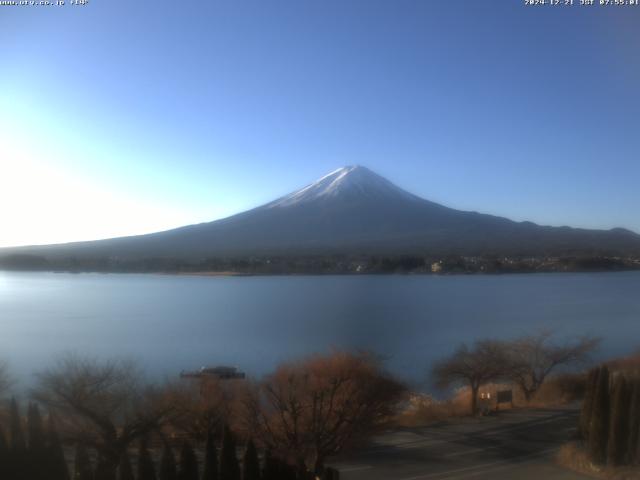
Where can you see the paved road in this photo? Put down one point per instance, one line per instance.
(512, 445)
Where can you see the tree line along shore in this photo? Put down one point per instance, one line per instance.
(328, 264)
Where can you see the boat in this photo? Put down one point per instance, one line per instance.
(220, 372)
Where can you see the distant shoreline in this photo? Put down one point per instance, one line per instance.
(328, 265)
(369, 274)
(211, 273)
(322, 274)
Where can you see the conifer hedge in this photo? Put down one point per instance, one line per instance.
(610, 417)
(33, 451)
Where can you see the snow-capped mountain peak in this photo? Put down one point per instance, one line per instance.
(351, 182)
(349, 211)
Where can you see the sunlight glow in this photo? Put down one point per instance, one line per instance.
(42, 201)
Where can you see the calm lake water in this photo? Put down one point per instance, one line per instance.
(170, 323)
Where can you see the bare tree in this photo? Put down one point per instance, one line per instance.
(530, 359)
(101, 404)
(476, 366)
(307, 411)
(201, 406)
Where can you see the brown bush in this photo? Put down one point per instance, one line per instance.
(318, 407)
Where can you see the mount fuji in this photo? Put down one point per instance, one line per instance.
(352, 210)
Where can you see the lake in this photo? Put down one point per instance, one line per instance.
(170, 323)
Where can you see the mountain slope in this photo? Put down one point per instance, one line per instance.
(353, 210)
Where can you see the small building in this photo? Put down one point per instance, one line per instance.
(220, 372)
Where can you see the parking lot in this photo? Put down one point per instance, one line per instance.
(513, 444)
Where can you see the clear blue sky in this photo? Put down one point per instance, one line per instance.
(123, 117)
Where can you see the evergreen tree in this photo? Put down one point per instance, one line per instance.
(599, 424)
(587, 403)
(634, 423)
(250, 463)
(210, 459)
(125, 471)
(17, 463)
(617, 448)
(277, 469)
(229, 466)
(269, 467)
(330, 474)
(36, 430)
(146, 470)
(168, 470)
(56, 462)
(82, 469)
(37, 448)
(188, 463)
(104, 470)
(4, 455)
(18, 444)
(286, 471)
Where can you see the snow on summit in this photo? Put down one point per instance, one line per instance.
(349, 182)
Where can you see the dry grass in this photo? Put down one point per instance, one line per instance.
(573, 457)
(423, 409)
(626, 364)
(558, 390)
